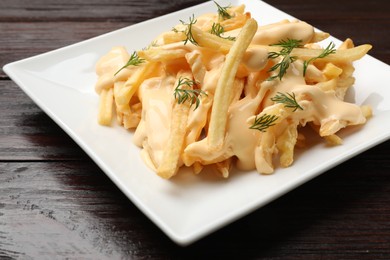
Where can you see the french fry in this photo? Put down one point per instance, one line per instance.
(238, 86)
(105, 106)
(333, 140)
(198, 69)
(332, 126)
(211, 41)
(319, 36)
(198, 119)
(174, 148)
(223, 91)
(235, 22)
(162, 54)
(346, 55)
(224, 167)
(172, 37)
(367, 111)
(314, 75)
(286, 143)
(264, 153)
(347, 44)
(332, 71)
(121, 108)
(329, 85)
(112, 61)
(105, 81)
(197, 167)
(346, 83)
(135, 80)
(132, 120)
(278, 110)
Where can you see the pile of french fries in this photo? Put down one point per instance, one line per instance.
(213, 127)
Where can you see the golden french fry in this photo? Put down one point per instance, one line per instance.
(235, 22)
(208, 40)
(333, 140)
(314, 75)
(367, 111)
(172, 37)
(131, 121)
(174, 148)
(198, 118)
(162, 54)
(112, 61)
(198, 69)
(347, 44)
(119, 117)
(332, 71)
(346, 82)
(105, 106)
(105, 81)
(347, 68)
(224, 89)
(346, 55)
(122, 108)
(277, 110)
(332, 126)
(224, 167)
(264, 153)
(328, 85)
(197, 167)
(286, 143)
(319, 36)
(133, 83)
(238, 86)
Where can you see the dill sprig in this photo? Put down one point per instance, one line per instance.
(217, 29)
(191, 94)
(287, 47)
(328, 50)
(188, 30)
(134, 60)
(263, 122)
(222, 11)
(288, 100)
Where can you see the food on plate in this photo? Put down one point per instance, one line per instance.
(220, 90)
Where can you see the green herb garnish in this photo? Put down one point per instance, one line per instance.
(218, 29)
(288, 100)
(264, 122)
(284, 64)
(188, 30)
(328, 50)
(192, 95)
(222, 11)
(134, 61)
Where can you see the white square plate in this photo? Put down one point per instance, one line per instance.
(187, 207)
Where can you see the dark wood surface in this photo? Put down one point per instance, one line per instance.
(55, 203)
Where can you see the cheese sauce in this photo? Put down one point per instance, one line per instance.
(323, 108)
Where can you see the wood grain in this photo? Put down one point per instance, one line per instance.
(55, 203)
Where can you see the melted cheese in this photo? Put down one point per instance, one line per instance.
(156, 95)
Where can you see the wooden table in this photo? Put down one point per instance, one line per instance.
(55, 203)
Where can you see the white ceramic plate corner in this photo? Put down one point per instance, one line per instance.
(179, 206)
